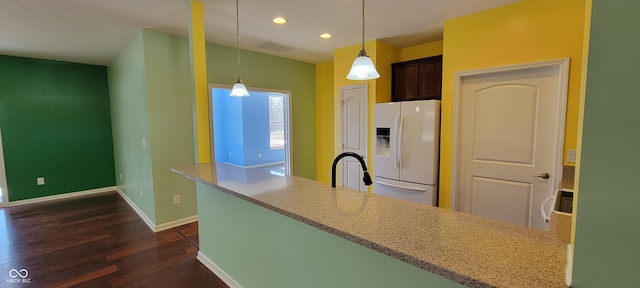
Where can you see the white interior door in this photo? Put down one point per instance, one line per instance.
(353, 100)
(511, 139)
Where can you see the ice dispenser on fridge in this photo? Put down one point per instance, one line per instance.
(382, 140)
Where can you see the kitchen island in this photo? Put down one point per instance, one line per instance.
(250, 219)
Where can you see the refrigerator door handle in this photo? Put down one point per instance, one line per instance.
(397, 142)
(402, 187)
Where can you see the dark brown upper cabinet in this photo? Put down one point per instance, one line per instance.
(419, 79)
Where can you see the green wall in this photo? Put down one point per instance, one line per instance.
(151, 100)
(260, 248)
(608, 214)
(128, 88)
(55, 124)
(170, 115)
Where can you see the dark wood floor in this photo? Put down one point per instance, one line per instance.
(96, 241)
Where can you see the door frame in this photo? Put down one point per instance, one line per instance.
(562, 66)
(365, 124)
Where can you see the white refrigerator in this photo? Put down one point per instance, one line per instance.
(407, 138)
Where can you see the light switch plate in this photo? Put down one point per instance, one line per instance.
(40, 180)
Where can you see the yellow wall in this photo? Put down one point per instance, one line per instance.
(324, 121)
(421, 51)
(385, 55)
(523, 32)
(199, 76)
(583, 92)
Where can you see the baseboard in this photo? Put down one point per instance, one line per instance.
(133, 206)
(256, 166)
(124, 196)
(569, 269)
(218, 271)
(176, 223)
(153, 226)
(61, 196)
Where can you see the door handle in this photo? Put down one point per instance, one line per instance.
(402, 187)
(397, 141)
(544, 175)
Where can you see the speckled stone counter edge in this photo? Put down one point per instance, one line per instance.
(203, 176)
(451, 275)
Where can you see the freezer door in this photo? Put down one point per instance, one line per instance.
(419, 133)
(418, 193)
(386, 116)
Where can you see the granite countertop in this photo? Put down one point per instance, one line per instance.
(470, 250)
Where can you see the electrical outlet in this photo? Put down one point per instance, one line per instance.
(144, 143)
(120, 176)
(140, 192)
(40, 180)
(176, 199)
(259, 155)
(571, 156)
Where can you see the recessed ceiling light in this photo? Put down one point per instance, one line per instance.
(325, 35)
(279, 20)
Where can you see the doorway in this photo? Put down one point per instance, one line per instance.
(508, 139)
(353, 127)
(253, 131)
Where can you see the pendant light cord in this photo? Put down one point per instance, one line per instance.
(362, 25)
(238, 36)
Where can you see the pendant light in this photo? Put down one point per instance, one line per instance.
(363, 68)
(238, 90)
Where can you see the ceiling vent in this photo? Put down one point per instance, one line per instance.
(273, 47)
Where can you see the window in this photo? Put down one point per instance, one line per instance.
(276, 121)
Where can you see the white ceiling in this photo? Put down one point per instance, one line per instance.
(94, 31)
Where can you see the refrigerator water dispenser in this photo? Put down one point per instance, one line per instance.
(382, 141)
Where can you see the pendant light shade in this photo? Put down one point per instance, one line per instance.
(238, 90)
(363, 68)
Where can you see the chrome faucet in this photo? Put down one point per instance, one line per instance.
(366, 178)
